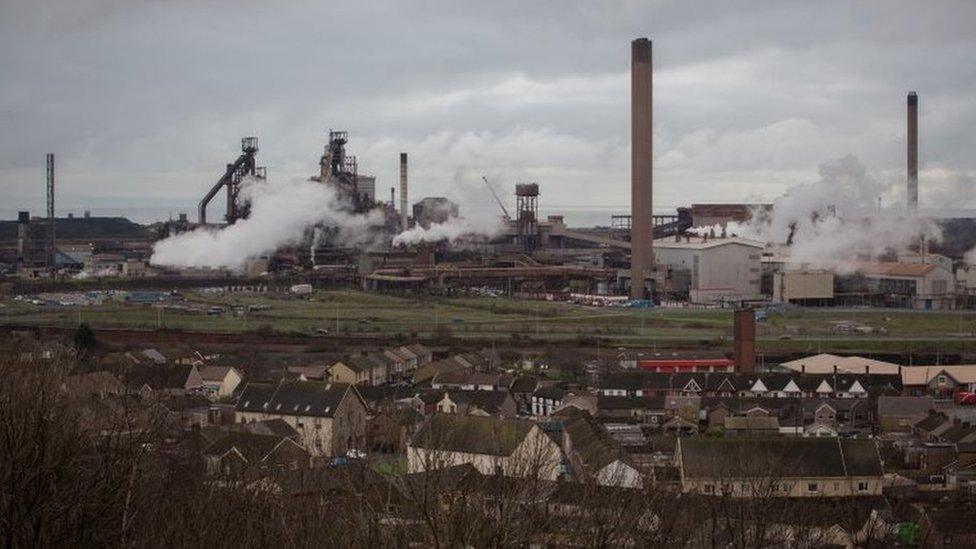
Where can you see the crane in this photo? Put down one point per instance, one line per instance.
(499, 200)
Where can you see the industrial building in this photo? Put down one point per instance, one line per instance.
(803, 287)
(913, 285)
(646, 256)
(720, 269)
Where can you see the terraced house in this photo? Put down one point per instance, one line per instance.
(329, 417)
(780, 467)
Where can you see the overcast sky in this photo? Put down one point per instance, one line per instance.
(150, 99)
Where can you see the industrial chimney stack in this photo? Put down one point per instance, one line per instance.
(641, 161)
(404, 219)
(50, 248)
(912, 152)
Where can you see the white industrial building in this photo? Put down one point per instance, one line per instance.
(722, 269)
(928, 285)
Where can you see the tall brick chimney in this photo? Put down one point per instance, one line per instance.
(912, 152)
(641, 164)
(744, 340)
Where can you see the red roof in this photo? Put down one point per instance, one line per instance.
(686, 364)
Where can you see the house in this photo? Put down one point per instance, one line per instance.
(782, 467)
(150, 380)
(939, 382)
(899, 413)
(648, 409)
(466, 380)
(213, 381)
(310, 372)
(511, 447)
(482, 403)
(755, 426)
(243, 453)
(426, 373)
(330, 417)
(594, 456)
(190, 411)
(546, 399)
(521, 390)
(361, 369)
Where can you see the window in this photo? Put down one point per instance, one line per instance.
(942, 380)
(813, 487)
(862, 486)
(709, 489)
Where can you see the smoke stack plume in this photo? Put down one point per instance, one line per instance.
(403, 192)
(641, 177)
(912, 152)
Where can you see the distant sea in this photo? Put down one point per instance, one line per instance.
(574, 216)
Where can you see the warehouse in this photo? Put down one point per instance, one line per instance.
(915, 285)
(804, 287)
(722, 269)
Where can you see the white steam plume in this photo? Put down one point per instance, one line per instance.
(281, 214)
(836, 219)
(479, 216)
(452, 229)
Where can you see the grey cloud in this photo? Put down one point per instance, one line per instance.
(150, 99)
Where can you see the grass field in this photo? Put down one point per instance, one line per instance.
(496, 318)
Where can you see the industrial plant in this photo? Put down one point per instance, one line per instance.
(703, 254)
(408, 299)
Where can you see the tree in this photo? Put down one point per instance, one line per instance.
(85, 341)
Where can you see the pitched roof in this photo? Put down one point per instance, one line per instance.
(591, 442)
(701, 243)
(752, 423)
(253, 447)
(359, 363)
(214, 373)
(298, 398)
(465, 376)
(549, 391)
(922, 375)
(472, 434)
(824, 363)
(778, 457)
(431, 369)
(489, 401)
(524, 384)
(274, 427)
(931, 421)
(904, 405)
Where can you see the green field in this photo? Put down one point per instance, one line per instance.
(351, 312)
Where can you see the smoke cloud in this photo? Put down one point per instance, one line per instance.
(453, 229)
(281, 215)
(836, 220)
(479, 215)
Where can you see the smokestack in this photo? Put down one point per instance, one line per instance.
(23, 238)
(404, 219)
(641, 161)
(51, 251)
(912, 152)
(744, 340)
(392, 195)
